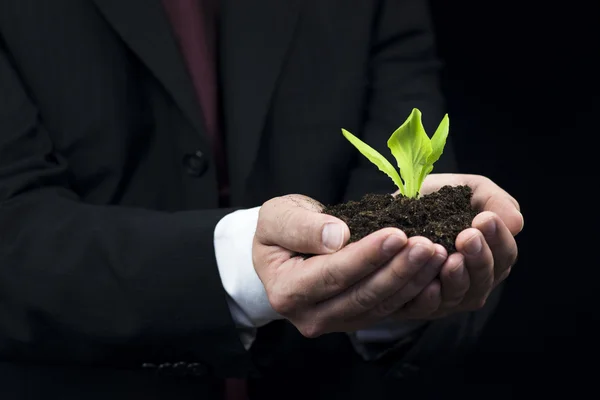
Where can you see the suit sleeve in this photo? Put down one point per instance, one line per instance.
(405, 73)
(99, 285)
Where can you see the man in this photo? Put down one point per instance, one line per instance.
(148, 214)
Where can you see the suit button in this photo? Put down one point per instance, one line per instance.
(195, 164)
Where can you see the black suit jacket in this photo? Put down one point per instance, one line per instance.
(108, 198)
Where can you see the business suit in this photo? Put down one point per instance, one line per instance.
(109, 197)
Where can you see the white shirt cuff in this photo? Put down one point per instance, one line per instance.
(248, 301)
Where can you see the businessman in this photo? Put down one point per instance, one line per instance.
(161, 162)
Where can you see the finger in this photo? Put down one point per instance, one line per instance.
(455, 282)
(501, 242)
(503, 276)
(479, 262)
(295, 223)
(487, 196)
(412, 289)
(424, 305)
(321, 277)
(394, 276)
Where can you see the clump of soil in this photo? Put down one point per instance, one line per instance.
(439, 216)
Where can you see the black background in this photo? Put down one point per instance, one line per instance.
(520, 80)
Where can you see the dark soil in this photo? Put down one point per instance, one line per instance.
(439, 216)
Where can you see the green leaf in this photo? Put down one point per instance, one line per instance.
(376, 158)
(411, 147)
(413, 150)
(438, 141)
(426, 171)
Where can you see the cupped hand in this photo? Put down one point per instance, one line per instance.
(486, 252)
(342, 288)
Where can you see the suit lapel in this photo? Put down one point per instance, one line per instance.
(143, 25)
(255, 36)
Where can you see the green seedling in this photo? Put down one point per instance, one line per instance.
(413, 150)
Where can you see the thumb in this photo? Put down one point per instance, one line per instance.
(296, 223)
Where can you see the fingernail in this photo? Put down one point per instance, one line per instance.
(489, 227)
(419, 254)
(333, 236)
(473, 246)
(392, 245)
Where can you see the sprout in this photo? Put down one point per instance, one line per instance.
(414, 152)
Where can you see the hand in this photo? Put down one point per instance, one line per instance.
(486, 251)
(342, 288)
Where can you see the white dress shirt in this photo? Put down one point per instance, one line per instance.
(248, 302)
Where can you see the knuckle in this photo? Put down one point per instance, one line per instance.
(388, 307)
(266, 207)
(382, 311)
(311, 330)
(365, 298)
(512, 256)
(332, 277)
(505, 274)
(476, 304)
(481, 304)
(401, 275)
(502, 276)
(282, 303)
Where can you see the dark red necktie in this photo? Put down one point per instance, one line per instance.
(194, 24)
